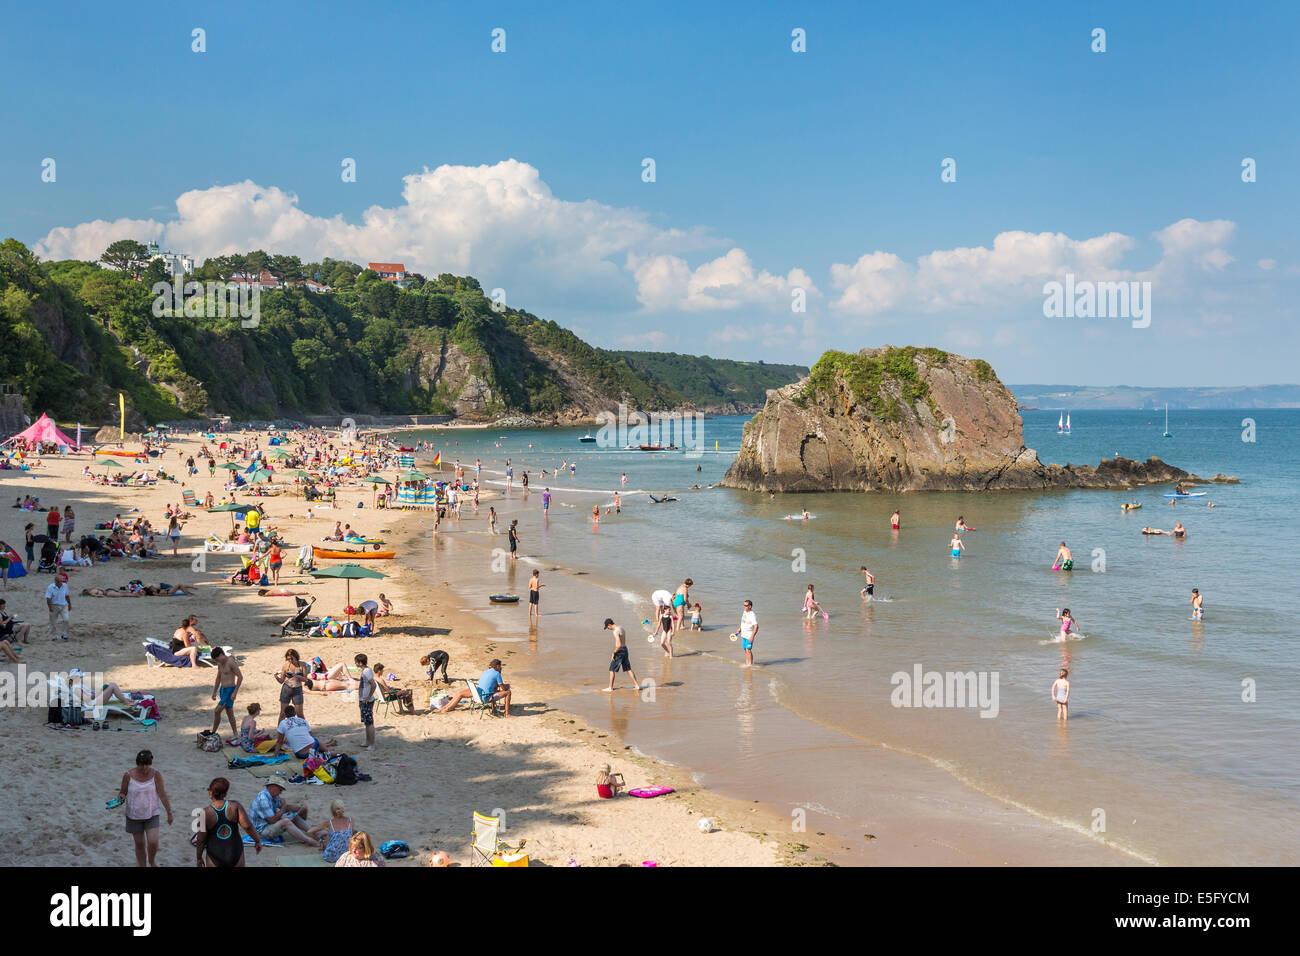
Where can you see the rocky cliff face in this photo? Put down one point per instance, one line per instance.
(907, 419)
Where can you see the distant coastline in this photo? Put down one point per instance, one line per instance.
(1130, 397)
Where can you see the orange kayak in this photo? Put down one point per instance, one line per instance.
(352, 555)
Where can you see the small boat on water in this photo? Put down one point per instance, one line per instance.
(587, 439)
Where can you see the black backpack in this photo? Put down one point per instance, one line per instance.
(345, 771)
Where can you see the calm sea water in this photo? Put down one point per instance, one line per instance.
(1181, 734)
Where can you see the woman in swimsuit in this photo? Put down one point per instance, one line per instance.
(290, 676)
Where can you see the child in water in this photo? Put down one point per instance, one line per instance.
(696, 623)
(1061, 694)
(1068, 624)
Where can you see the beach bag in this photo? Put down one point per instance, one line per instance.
(345, 771)
(54, 712)
(350, 629)
(72, 715)
(209, 742)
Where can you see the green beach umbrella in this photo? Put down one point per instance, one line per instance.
(109, 464)
(233, 508)
(229, 466)
(281, 454)
(412, 475)
(349, 573)
(375, 480)
(262, 474)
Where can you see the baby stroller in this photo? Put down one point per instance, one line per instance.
(49, 559)
(299, 622)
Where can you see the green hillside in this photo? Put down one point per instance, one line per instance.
(76, 333)
(707, 381)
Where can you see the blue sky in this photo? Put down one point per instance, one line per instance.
(775, 170)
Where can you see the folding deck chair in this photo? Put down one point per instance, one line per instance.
(485, 844)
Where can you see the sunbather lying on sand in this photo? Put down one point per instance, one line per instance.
(327, 685)
(148, 590)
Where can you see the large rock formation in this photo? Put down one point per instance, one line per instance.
(907, 419)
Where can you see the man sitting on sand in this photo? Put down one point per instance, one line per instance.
(272, 817)
(295, 733)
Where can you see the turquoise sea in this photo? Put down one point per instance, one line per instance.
(1180, 748)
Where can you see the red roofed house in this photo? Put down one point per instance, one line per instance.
(394, 272)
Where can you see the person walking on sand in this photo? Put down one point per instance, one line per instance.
(219, 837)
(366, 699)
(69, 524)
(748, 631)
(664, 627)
(58, 601)
(143, 792)
(534, 587)
(619, 660)
(514, 539)
(492, 519)
(174, 532)
(229, 679)
(1061, 694)
(870, 589)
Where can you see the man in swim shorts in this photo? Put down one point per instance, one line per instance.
(870, 589)
(1064, 559)
(1198, 610)
(619, 660)
(229, 678)
(894, 519)
(534, 588)
(748, 631)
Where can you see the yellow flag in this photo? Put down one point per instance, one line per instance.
(121, 404)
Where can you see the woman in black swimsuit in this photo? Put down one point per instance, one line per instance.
(222, 819)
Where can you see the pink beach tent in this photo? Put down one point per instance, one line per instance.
(42, 430)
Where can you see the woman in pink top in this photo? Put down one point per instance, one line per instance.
(142, 791)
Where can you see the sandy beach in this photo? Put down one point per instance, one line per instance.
(430, 772)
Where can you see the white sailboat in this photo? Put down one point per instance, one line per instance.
(1060, 425)
(1167, 435)
(1067, 423)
